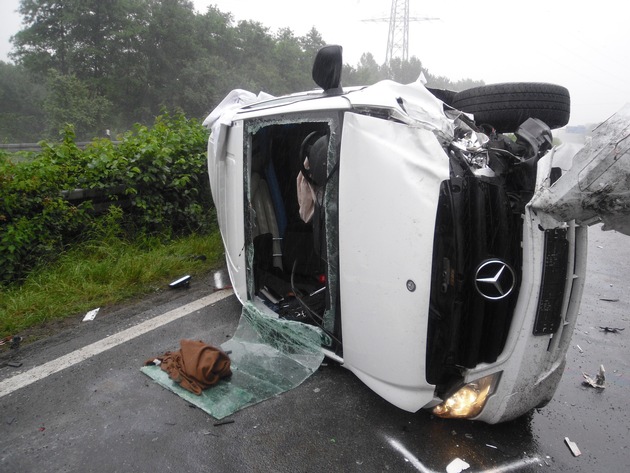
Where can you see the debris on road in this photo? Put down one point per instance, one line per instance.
(196, 366)
(15, 342)
(457, 466)
(606, 299)
(598, 382)
(579, 348)
(91, 315)
(611, 329)
(224, 422)
(270, 356)
(573, 447)
(14, 364)
(181, 283)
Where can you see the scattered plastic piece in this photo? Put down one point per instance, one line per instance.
(91, 315)
(611, 329)
(608, 300)
(456, 466)
(181, 283)
(14, 364)
(217, 424)
(573, 447)
(599, 381)
(579, 348)
(491, 446)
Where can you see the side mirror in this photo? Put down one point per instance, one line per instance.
(327, 67)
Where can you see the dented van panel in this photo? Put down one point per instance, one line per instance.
(390, 176)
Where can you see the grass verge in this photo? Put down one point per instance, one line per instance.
(98, 274)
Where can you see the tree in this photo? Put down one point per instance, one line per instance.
(169, 48)
(117, 62)
(69, 101)
(21, 115)
(367, 72)
(46, 41)
(97, 42)
(289, 60)
(405, 72)
(311, 43)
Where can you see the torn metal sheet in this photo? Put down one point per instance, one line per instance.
(269, 356)
(598, 382)
(597, 187)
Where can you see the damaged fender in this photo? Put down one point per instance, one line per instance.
(597, 187)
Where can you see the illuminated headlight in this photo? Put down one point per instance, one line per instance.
(468, 401)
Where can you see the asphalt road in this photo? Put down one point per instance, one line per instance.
(102, 415)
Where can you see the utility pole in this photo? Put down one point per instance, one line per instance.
(398, 37)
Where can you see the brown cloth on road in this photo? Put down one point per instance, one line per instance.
(196, 366)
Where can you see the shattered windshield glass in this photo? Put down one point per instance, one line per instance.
(269, 356)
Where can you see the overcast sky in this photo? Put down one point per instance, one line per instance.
(582, 46)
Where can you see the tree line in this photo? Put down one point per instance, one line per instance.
(107, 64)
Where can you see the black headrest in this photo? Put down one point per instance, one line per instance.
(315, 148)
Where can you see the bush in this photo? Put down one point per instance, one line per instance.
(156, 179)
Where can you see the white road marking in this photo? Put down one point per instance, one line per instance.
(515, 465)
(21, 380)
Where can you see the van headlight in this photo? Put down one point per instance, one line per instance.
(468, 401)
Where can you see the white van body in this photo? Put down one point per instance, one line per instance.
(443, 287)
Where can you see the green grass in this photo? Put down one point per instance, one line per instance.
(98, 274)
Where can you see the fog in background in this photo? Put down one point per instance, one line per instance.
(562, 42)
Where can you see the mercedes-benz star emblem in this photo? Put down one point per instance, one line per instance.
(494, 279)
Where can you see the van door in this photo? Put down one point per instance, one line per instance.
(389, 181)
(226, 180)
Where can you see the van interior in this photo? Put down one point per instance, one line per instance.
(289, 173)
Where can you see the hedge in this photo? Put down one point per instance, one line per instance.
(154, 181)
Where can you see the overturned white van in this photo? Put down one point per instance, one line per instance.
(404, 229)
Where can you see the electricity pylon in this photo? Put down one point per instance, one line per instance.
(398, 37)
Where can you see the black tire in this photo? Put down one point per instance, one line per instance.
(506, 106)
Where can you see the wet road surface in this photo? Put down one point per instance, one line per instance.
(103, 415)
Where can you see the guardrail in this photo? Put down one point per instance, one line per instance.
(101, 199)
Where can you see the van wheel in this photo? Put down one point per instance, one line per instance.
(506, 106)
